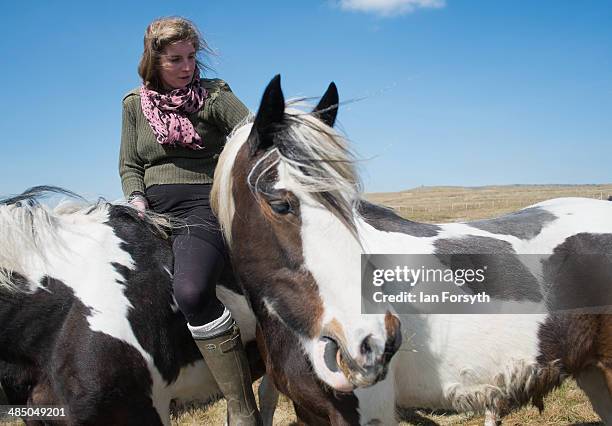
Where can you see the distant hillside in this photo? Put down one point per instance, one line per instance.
(457, 203)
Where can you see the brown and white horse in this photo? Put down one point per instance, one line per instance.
(287, 196)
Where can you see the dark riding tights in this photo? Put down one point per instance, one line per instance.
(199, 251)
(197, 266)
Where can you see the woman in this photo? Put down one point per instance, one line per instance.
(174, 127)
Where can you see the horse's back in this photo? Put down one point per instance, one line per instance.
(572, 214)
(537, 229)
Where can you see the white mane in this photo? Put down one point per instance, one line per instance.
(222, 200)
(30, 231)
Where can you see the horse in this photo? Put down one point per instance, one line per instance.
(289, 201)
(88, 318)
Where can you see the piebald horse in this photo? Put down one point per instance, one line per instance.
(88, 319)
(288, 199)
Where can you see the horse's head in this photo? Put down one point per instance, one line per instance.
(285, 193)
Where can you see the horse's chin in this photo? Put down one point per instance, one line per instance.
(333, 378)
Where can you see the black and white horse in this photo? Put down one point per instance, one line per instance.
(88, 319)
(287, 196)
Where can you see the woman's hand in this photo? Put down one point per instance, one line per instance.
(138, 201)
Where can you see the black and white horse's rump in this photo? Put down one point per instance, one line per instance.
(88, 317)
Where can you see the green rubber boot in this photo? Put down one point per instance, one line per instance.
(227, 361)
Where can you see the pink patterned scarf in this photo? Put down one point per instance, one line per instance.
(167, 114)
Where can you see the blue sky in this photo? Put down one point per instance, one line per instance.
(451, 92)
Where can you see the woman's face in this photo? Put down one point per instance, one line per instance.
(177, 64)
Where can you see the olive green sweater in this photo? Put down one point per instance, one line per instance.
(144, 162)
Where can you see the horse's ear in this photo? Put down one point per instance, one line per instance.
(269, 116)
(327, 109)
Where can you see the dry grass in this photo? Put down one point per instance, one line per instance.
(565, 406)
(451, 203)
(215, 414)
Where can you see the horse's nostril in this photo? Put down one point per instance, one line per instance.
(330, 354)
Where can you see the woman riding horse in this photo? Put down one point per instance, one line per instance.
(174, 127)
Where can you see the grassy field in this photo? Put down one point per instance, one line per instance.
(565, 406)
(451, 203)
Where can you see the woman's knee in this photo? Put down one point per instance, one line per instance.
(197, 267)
(198, 303)
(191, 292)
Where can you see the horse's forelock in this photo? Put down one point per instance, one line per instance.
(315, 156)
(319, 163)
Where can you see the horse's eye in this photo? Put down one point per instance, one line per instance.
(280, 206)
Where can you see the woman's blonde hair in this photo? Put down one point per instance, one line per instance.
(158, 35)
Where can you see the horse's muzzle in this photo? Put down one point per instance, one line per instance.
(371, 363)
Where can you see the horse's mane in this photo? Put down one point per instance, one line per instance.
(313, 155)
(221, 199)
(30, 227)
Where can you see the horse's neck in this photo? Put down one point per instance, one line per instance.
(385, 219)
(383, 231)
